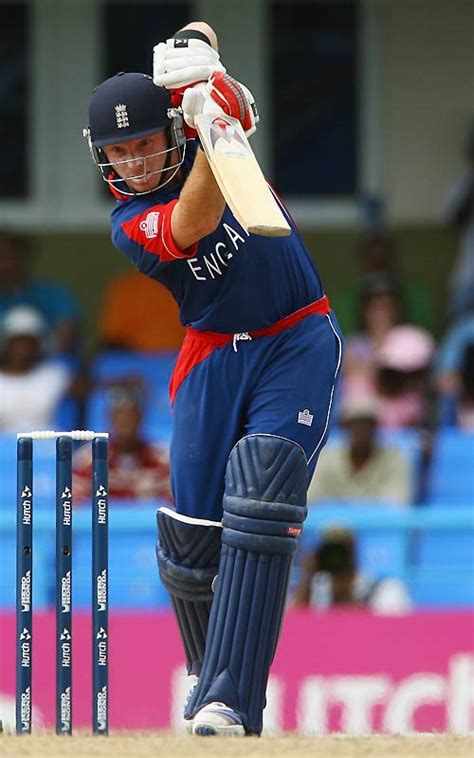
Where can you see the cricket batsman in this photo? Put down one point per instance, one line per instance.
(253, 386)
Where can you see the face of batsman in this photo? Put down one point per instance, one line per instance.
(142, 162)
(135, 137)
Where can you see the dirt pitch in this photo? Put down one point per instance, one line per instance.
(160, 745)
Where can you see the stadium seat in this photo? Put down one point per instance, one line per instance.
(67, 414)
(443, 568)
(133, 574)
(447, 547)
(451, 478)
(383, 552)
(445, 587)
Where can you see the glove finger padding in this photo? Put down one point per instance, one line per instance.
(221, 94)
(198, 100)
(234, 99)
(179, 63)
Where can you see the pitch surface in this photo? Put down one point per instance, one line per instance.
(167, 746)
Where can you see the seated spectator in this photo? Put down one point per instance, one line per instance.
(330, 579)
(31, 386)
(459, 214)
(359, 468)
(137, 469)
(465, 408)
(380, 310)
(403, 377)
(139, 314)
(53, 301)
(378, 257)
(454, 371)
(456, 391)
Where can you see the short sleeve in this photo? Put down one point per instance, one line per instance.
(151, 231)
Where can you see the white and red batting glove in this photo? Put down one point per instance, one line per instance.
(179, 63)
(221, 94)
(191, 70)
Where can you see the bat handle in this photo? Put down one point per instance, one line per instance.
(198, 30)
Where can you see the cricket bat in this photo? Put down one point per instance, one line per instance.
(239, 176)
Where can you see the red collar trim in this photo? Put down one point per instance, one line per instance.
(115, 192)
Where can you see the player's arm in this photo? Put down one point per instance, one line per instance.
(201, 203)
(200, 206)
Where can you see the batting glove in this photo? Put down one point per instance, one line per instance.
(179, 63)
(221, 94)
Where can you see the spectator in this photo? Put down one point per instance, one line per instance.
(403, 377)
(380, 310)
(359, 468)
(31, 386)
(456, 385)
(465, 410)
(139, 314)
(378, 257)
(53, 301)
(330, 578)
(137, 469)
(454, 370)
(459, 214)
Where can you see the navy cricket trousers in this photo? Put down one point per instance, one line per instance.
(282, 385)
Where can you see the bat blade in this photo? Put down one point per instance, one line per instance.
(239, 176)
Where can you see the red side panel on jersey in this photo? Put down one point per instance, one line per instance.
(152, 231)
(198, 346)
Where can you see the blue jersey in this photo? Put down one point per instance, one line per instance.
(229, 281)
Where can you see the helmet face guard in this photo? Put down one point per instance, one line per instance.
(110, 172)
(123, 108)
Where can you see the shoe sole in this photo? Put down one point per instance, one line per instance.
(206, 730)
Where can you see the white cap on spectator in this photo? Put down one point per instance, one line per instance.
(358, 407)
(406, 348)
(22, 321)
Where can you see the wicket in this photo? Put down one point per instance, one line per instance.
(24, 588)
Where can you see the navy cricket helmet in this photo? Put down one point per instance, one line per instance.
(128, 106)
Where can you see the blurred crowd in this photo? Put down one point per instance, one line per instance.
(396, 376)
(44, 380)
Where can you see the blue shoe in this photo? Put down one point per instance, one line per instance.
(217, 718)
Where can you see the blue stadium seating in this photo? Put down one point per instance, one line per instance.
(432, 549)
(383, 552)
(446, 586)
(452, 469)
(443, 566)
(446, 547)
(133, 572)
